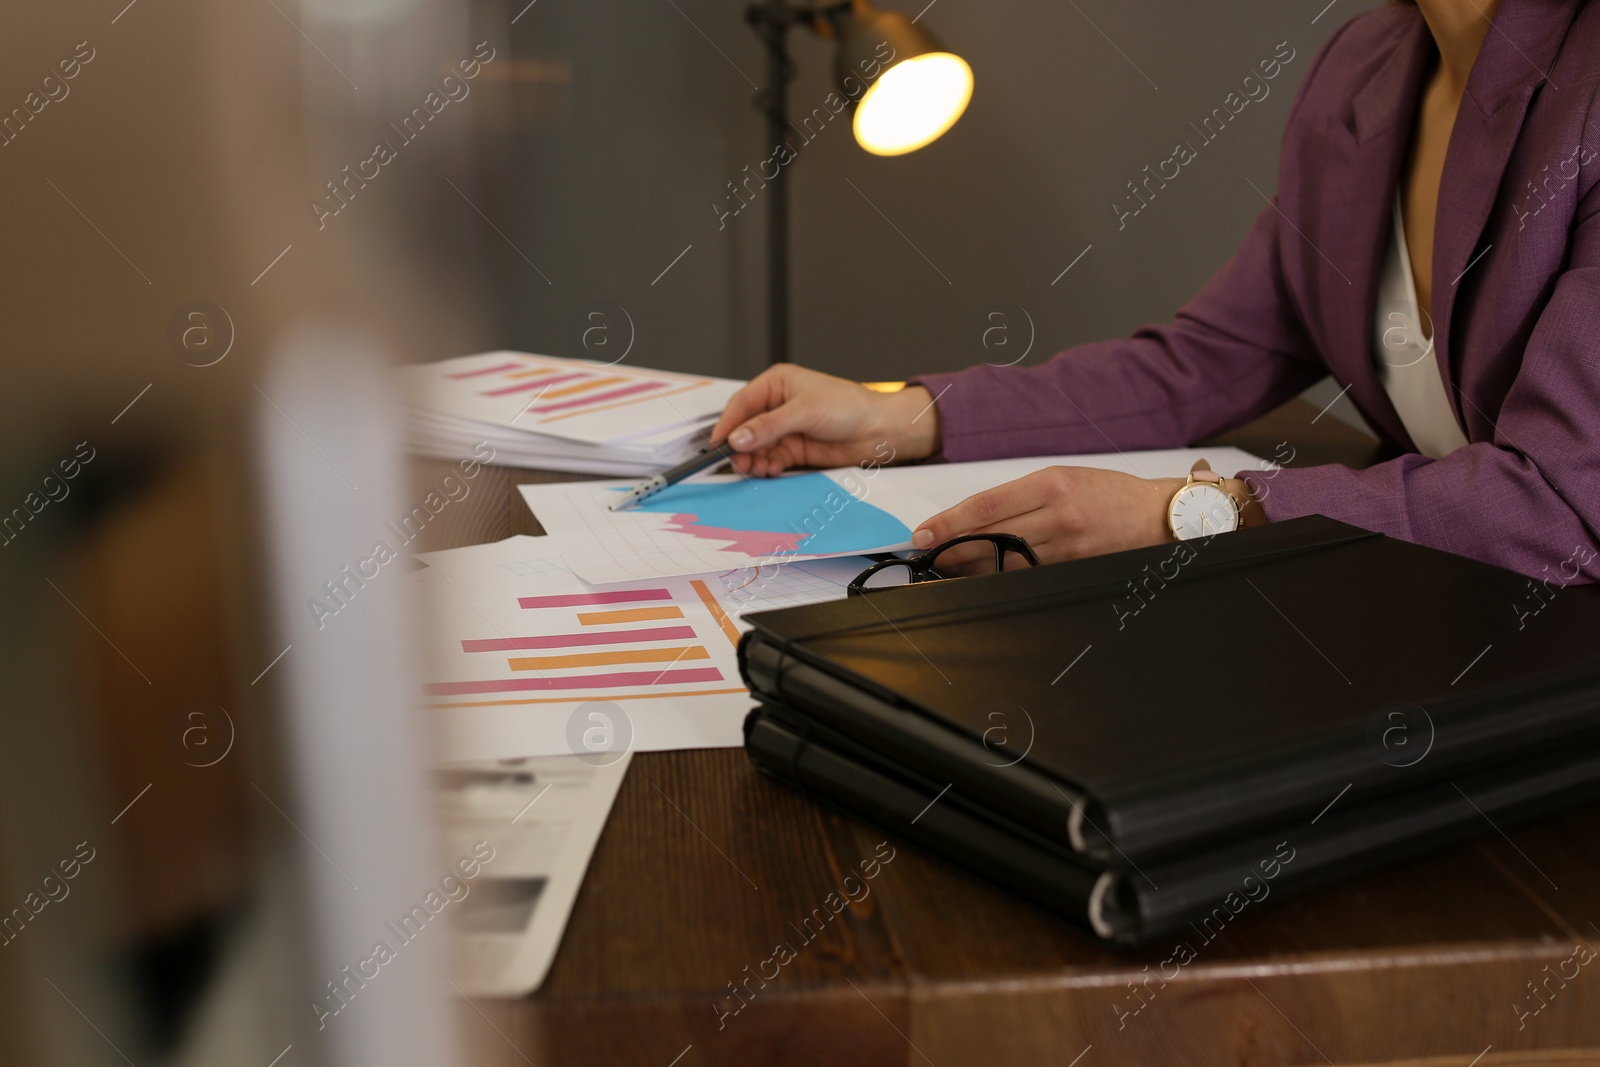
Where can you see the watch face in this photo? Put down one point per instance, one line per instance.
(1200, 510)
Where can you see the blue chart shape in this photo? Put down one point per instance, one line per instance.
(801, 513)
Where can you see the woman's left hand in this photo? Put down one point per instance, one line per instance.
(1063, 513)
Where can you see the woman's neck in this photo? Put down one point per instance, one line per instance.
(1458, 27)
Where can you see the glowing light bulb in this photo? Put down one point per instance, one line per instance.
(913, 103)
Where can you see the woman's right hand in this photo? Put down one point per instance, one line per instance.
(788, 416)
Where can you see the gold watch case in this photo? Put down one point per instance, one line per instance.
(1189, 484)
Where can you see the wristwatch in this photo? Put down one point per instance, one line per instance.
(1202, 506)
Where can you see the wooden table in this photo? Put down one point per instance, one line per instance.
(706, 867)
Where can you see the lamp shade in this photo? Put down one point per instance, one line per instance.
(907, 89)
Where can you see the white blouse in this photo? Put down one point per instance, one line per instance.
(1402, 351)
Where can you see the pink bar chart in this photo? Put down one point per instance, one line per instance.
(612, 644)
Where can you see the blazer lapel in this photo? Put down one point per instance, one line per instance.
(1365, 155)
(1515, 59)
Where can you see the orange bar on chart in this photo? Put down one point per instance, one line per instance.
(658, 394)
(717, 613)
(600, 618)
(601, 659)
(568, 390)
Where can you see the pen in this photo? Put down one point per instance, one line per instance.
(706, 457)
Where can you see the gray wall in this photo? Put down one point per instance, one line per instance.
(629, 123)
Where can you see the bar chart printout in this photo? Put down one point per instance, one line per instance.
(514, 660)
(569, 398)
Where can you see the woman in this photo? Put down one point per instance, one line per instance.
(1434, 246)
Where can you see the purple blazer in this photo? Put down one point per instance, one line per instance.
(1516, 284)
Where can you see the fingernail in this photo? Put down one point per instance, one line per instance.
(741, 438)
(922, 538)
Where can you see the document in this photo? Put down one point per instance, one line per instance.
(541, 819)
(523, 654)
(945, 485)
(776, 584)
(726, 522)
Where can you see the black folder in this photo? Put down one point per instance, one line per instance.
(1143, 707)
(1130, 905)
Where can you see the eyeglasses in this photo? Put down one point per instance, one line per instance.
(987, 554)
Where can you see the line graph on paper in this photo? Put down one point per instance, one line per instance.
(719, 524)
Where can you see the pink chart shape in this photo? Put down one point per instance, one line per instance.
(750, 542)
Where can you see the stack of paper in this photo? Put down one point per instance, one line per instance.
(561, 414)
